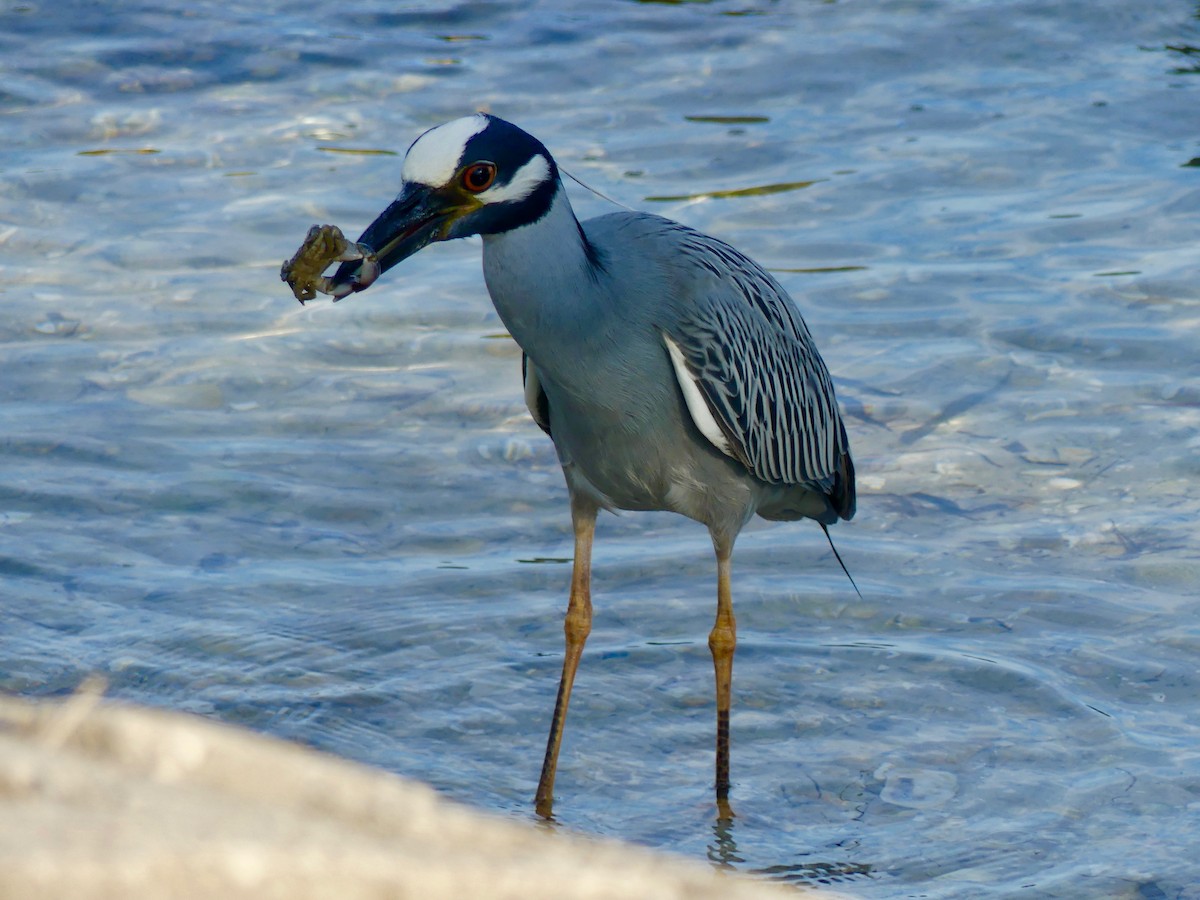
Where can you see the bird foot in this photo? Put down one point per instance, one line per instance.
(324, 245)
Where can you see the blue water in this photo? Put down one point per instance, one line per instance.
(338, 524)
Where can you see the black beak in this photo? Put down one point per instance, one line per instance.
(416, 218)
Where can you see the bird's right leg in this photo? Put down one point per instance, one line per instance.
(722, 641)
(577, 626)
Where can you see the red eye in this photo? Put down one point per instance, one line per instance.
(478, 177)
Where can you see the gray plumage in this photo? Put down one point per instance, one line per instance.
(615, 410)
(671, 371)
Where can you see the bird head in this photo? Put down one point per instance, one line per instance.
(475, 175)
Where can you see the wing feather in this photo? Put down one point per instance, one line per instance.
(748, 353)
(535, 397)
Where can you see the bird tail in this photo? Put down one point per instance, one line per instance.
(838, 557)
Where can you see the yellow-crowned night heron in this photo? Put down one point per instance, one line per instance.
(671, 371)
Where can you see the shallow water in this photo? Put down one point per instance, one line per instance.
(338, 524)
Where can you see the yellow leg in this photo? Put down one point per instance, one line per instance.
(722, 641)
(577, 626)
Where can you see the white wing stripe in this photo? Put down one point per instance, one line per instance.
(697, 406)
(533, 387)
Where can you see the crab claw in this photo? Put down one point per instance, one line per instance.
(360, 279)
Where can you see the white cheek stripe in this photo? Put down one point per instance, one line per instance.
(701, 415)
(526, 180)
(433, 159)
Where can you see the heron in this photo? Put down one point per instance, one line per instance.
(670, 370)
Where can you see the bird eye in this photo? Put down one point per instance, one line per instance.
(478, 177)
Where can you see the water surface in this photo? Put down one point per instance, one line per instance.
(338, 524)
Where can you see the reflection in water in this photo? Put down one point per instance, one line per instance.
(729, 120)
(723, 853)
(1191, 56)
(818, 270)
(756, 191)
(358, 151)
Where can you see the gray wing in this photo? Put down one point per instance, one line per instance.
(751, 358)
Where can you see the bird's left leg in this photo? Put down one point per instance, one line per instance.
(722, 641)
(577, 626)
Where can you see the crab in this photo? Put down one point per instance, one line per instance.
(324, 245)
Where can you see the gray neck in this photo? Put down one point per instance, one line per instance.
(542, 282)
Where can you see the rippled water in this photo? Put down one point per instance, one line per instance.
(338, 524)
